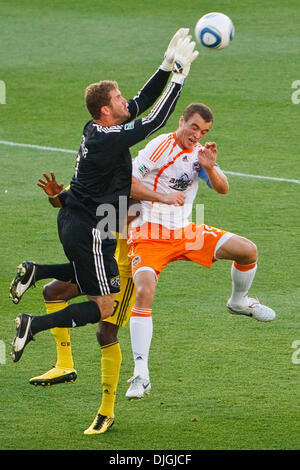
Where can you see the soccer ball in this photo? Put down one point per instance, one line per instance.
(214, 30)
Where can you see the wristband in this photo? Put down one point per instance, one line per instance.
(178, 78)
(52, 197)
(166, 66)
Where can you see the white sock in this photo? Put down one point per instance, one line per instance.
(141, 329)
(241, 283)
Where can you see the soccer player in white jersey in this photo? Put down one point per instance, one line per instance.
(162, 234)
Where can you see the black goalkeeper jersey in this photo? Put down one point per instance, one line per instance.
(104, 166)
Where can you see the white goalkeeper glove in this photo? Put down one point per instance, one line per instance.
(169, 56)
(184, 56)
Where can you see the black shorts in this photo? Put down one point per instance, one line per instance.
(95, 267)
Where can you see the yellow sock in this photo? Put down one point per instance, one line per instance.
(110, 369)
(61, 336)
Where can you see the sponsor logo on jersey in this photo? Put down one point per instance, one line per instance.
(143, 170)
(180, 184)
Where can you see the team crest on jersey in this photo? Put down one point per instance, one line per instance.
(115, 281)
(130, 125)
(136, 261)
(180, 184)
(143, 170)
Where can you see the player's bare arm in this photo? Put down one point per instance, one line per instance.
(141, 193)
(207, 157)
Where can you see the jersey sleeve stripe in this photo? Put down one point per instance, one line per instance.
(174, 143)
(171, 107)
(152, 115)
(161, 148)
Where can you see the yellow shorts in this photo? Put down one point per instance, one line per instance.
(124, 300)
(153, 246)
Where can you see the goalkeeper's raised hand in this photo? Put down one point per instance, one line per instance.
(169, 56)
(183, 57)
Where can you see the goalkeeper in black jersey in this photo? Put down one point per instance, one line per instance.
(101, 184)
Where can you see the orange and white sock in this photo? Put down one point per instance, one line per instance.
(242, 276)
(141, 330)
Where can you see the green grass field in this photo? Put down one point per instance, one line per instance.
(219, 382)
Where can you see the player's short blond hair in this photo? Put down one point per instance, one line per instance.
(199, 108)
(98, 95)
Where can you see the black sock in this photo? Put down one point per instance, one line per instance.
(71, 316)
(62, 272)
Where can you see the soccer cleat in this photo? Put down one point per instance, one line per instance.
(139, 388)
(254, 309)
(100, 425)
(22, 281)
(23, 336)
(56, 375)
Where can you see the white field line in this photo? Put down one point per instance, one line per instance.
(38, 147)
(233, 173)
(272, 178)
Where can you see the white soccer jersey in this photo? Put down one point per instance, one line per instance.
(164, 167)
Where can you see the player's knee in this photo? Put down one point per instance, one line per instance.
(144, 293)
(248, 253)
(49, 293)
(251, 252)
(107, 333)
(59, 290)
(101, 338)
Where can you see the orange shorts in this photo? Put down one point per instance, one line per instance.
(153, 246)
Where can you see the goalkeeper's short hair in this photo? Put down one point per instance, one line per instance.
(98, 95)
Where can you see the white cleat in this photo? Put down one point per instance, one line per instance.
(23, 335)
(254, 309)
(139, 388)
(23, 280)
